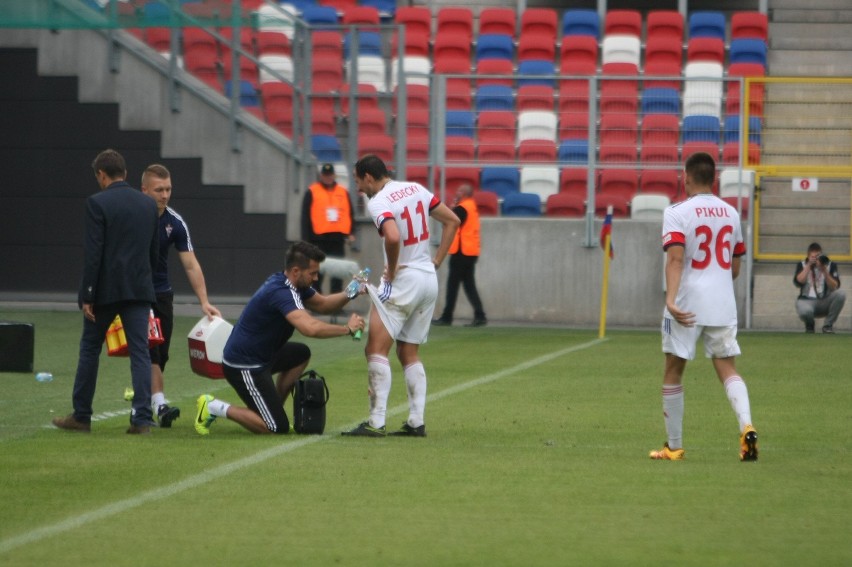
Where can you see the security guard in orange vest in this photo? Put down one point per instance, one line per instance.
(464, 252)
(327, 219)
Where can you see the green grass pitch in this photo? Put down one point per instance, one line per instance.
(536, 455)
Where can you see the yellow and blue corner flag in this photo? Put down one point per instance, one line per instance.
(606, 233)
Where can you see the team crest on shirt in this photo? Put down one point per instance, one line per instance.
(168, 230)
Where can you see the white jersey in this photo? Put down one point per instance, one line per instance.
(409, 204)
(710, 231)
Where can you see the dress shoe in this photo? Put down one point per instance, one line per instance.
(70, 423)
(477, 323)
(139, 429)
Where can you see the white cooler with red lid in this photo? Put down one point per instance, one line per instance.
(206, 343)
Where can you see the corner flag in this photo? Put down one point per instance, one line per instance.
(606, 244)
(606, 233)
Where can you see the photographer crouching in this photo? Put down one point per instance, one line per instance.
(819, 290)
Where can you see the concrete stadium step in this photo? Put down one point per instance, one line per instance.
(821, 63)
(804, 36)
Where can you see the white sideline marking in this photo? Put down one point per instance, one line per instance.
(199, 479)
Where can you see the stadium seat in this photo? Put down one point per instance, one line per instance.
(356, 15)
(748, 51)
(458, 95)
(487, 203)
(690, 148)
(379, 144)
(416, 44)
(521, 205)
(707, 24)
(540, 180)
(326, 74)
(660, 101)
(749, 25)
(623, 22)
(620, 207)
(501, 180)
(620, 183)
(664, 23)
(648, 206)
(273, 67)
(418, 174)
(273, 43)
(495, 46)
(416, 69)
(664, 48)
(369, 43)
(267, 17)
(496, 151)
(669, 74)
(322, 123)
(573, 96)
(535, 97)
(417, 149)
(454, 177)
(326, 148)
(416, 97)
(700, 128)
(703, 90)
(536, 72)
(459, 148)
(541, 22)
(455, 21)
(580, 22)
(756, 91)
(327, 44)
(573, 151)
(460, 123)
(533, 46)
(248, 69)
(619, 128)
(573, 125)
(386, 8)
(372, 121)
(538, 151)
(579, 52)
(247, 92)
(498, 71)
(371, 71)
(660, 181)
(621, 49)
(449, 49)
(319, 15)
(204, 66)
(705, 49)
(416, 19)
(497, 20)
(651, 153)
(574, 180)
(660, 130)
(732, 129)
(619, 94)
(615, 152)
(735, 182)
(417, 122)
(198, 40)
(339, 6)
(537, 125)
(276, 94)
(280, 119)
(159, 39)
(496, 125)
(564, 204)
(494, 97)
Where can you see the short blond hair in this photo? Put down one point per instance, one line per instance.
(155, 170)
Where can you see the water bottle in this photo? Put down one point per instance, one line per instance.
(352, 290)
(44, 377)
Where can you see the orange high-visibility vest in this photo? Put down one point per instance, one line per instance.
(467, 236)
(330, 210)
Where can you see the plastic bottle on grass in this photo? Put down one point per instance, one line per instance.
(44, 377)
(359, 280)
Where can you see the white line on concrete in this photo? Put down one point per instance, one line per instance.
(205, 477)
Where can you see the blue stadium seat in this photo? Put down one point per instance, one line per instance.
(732, 129)
(660, 101)
(319, 15)
(581, 22)
(326, 148)
(707, 24)
(573, 151)
(369, 43)
(494, 46)
(700, 128)
(500, 180)
(385, 7)
(460, 123)
(522, 205)
(494, 97)
(748, 51)
(248, 93)
(536, 67)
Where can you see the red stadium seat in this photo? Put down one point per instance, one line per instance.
(498, 21)
(535, 46)
(690, 148)
(452, 54)
(205, 66)
(372, 121)
(535, 97)
(379, 144)
(661, 181)
(616, 152)
(455, 21)
(459, 148)
(355, 15)
(537, 151)
(417, 123)
(458, 95)
(542, 22)
(455, 177)
(619, 95)
(574, 180)
(197, 40)
(564, 204)
(326, 74)
(756, 92)
(417, 149)
(663, 49)
(367, 98)
(620, 208)
(573, 125)
(623, 22)
(573, 96)
(660, 135)
(416, 19)
(580, 51)
(501, 67)
(496, 125)
(273, 43)
(496, 151)
(417, 97)
(731, 154)
(416, 44)
(487, 203)
(665, 23)
(710, 49)
(617, 128)
(662, 69)
(749, 25)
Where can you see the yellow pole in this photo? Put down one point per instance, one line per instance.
(604, 287)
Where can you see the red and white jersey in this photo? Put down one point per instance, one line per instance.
(710, 231)
(409, 204)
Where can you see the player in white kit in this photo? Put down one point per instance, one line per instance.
(702, 238)
(405, 301)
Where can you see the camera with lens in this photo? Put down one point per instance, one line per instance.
(824, 260)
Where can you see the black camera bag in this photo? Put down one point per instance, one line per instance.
(310, 395)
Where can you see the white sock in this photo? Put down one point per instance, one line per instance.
(379, 376)
(218, 408)
(415, 379)
(673, 414)
(157, 400)
(738, 396)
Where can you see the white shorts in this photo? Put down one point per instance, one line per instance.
(406, 307)
(719, 342)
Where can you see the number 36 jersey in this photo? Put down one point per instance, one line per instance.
(409, 204)
(710, 232)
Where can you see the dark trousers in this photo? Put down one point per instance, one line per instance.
(134, 319)
(334, 249)
(462, 270)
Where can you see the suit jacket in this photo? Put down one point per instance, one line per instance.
(120, 250)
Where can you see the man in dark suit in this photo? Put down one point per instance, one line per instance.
(119, 255)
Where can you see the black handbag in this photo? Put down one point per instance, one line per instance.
(310, 396)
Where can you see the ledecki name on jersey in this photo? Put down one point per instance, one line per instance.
(712, 212)
(406, 191)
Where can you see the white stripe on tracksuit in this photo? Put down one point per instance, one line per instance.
(258, 400)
